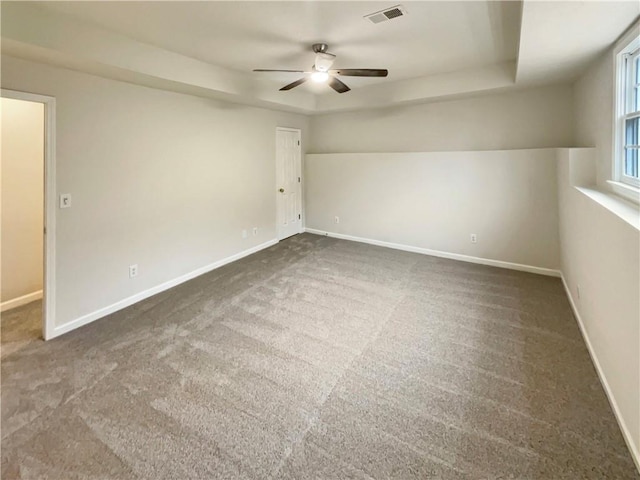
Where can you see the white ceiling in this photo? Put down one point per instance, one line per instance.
(559, 39)
(440, 49)
(435, 37)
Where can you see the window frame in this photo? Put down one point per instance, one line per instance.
(627, 51)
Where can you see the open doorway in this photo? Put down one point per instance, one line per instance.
(26, 261)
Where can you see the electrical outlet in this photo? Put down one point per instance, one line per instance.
(244, 233)
(336, 219)
(255, 231)
(474, 238)
(133, 271)
(65, 200)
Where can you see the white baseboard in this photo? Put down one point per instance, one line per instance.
(438, 253)
(635, 453)
(18, 302)
(90, 317)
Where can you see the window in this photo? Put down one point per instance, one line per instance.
(627, 138)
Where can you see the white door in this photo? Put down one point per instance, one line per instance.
(289, 182)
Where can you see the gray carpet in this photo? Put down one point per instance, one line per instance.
(319, 359)
(20, 327)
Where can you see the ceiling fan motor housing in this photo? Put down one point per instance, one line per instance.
(320, 47)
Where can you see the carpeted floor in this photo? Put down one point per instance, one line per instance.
(20, 327)
(319, 359)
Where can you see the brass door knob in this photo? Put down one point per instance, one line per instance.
(281, 190)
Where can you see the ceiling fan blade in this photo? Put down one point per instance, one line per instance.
(268, 70)
(294, 84)
(361, 72)
(337, 85)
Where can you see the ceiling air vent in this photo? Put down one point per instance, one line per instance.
(387, 14)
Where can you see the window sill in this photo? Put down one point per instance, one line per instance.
(628, 192)
(626, 210)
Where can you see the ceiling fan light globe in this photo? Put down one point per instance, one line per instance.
(324, 61)
(319, 77)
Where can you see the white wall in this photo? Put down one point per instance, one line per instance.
(164, 180)
(22, 197)
(435, 200)
(601, 257)
(593, 114)
(534, 118)
(601, 251)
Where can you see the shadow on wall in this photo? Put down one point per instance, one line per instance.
(534, 118)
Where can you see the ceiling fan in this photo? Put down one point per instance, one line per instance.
(321, 71)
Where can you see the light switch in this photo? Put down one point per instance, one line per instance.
(65, 200)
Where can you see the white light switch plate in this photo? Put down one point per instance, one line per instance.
(65, 200)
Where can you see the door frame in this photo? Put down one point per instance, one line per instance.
(300, 227)
(49, 220)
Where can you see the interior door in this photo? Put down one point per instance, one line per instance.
(289, 182)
